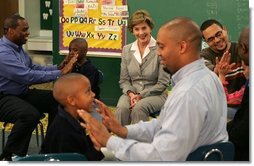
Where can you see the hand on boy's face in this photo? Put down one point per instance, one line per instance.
(71, 54)
(69, 66)
(108, 118)
(97, 131)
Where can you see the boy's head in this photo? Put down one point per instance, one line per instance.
(78, 46)
(73, 91)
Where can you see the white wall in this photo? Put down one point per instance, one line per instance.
(39, 44)
(30, 9)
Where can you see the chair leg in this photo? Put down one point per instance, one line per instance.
(3, 135)
(3, 138)
(42, 131)
(36, 130)
(37, 135)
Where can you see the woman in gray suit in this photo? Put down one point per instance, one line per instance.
(142, 78)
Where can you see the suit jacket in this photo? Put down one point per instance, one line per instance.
(65, 135)
(148, 78)
(238, 128)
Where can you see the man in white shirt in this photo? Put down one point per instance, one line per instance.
(193, 115)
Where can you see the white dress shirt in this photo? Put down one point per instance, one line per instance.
(193, 115)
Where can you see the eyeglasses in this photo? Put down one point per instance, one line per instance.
(212, 38)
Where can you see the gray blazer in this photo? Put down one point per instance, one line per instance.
(148, 79)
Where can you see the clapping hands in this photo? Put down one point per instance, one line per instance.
(99, 132)
(223, 65)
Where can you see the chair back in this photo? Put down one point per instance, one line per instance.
(222, 151)
(155, 114)
(54, 157)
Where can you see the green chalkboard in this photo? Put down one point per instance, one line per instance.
(234, 14)
(46, 14)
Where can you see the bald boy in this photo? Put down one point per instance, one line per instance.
(65, 135)
(70, 89)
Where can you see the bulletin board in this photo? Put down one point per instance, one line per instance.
(101, 22)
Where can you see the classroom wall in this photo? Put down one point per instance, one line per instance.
(234, 14)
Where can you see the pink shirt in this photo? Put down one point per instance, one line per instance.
(234, 98)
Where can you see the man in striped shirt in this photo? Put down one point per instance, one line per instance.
(216, 36)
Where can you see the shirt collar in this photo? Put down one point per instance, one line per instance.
(187, 70)
(10, 43)
(69, 118)
(134, 47)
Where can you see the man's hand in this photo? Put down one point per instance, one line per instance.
(69, 66)
(65, 61)
(223, 65)
(110, 121)
(222, 68)
(97, 131)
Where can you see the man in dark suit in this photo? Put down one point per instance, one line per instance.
(238, 128)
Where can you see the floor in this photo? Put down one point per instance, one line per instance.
(33, 147)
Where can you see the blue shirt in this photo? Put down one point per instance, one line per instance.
(194, 114)
(17, 72)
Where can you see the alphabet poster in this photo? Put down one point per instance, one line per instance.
(101, 22)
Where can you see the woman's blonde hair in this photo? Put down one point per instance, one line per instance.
(138, 17)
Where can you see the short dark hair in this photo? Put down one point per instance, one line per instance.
(12, 22)
(208, 23)
(80, 40)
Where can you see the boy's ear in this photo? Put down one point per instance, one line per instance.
(70, 100)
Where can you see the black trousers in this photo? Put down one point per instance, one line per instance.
(24, 111)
